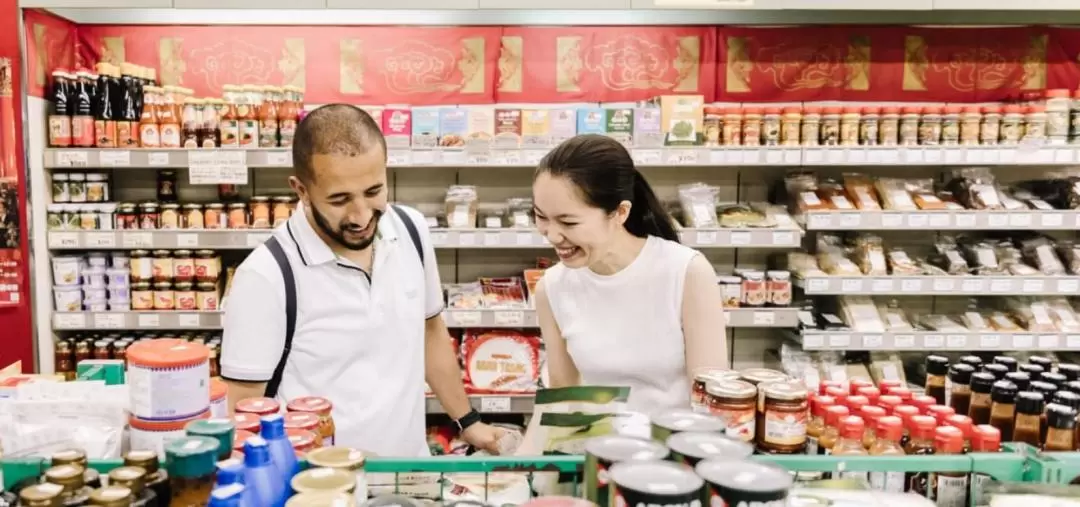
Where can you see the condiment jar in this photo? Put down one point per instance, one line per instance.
(183, 266)
(830, 126)
(282, 209)
(930, 126)
(61, 191)
(162, 266)
(1003, 409)
(164, 296)
(41, 495)
(849, 126)
(77, 457)
(909, 125)
(712, 126)
(191, 462)
(868, 127)
(260, 212)
(1058, 115)
(735, 402)
(127, 216)
(990, 128)
(811, 126)
(77, 187)
(324, 480)
(169, 218)
(699, 398)
(791, 126)
(206, 297)
(1061, 429)
(184, 296)
(221, 430)
(770, 127)
(782, 429)
(214, 216)
(970, 125)
(342, 459)
(320, 407)
(134, 479)
(1012, 125)
(751, 126)
(148, 216)
(237, 217)
(950, 126)
(732, 129)
(1035, 124)
(193, 216)
(71, 478)
(142, 296)
(257, 406)
(207, 266)
(889, 127)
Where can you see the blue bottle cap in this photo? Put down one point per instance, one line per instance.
(226, 496)
(230, 471)
(272, 426)
(256, 452)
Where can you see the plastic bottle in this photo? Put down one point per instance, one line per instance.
(272, 428)
(230, 471)
(887, 443)
(231, 495)
(921, 429)
(828, 437)
(984, 438)
(262, 482)
(817, 422)
(950, 489)
(851, 443)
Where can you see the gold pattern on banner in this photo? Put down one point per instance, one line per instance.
(351, 66)
(171, 61)
(738, 65)
(916, 63)
(688, 64)
(41, 46)
(511, 56)
(858, 63)
(416, 66)
(1034, 63)
(796, 67)
(112, 50)
(473, 65)
(568, 64)
(233, 61)
(631, 62)
(292, 62)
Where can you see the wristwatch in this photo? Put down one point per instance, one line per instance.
(467, 420)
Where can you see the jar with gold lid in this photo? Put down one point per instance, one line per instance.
(324, 480)
(781, 427)
(702, 376)
(77, 457)
(193, 216)
(41, 495)
(164, 297)
(157, 479)
(214, 216)
(184, 296)
(134, 479)
(169, 218)
(111, 496)
(282, 209)
(71, 478)
(237, 216)
(345, 459)
(260, 212)
(734, 401)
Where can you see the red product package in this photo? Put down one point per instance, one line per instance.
(501, 361)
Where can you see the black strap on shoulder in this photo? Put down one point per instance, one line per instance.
(413, 233)
(290, 312)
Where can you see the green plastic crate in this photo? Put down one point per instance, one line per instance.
(1056, 467)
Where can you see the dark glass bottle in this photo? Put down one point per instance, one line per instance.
(921, 441)
(1070, 370)
(998, 370)
(1046, 363)
(1009, 362)
(974, 361)
(61, 109)
(1021, 379)
(1061, 435)
(1029, 411)
(82, 121)
(1057, 379)
(937, 367)
(1003, 408)
(1033, 370)
(127, 123)
(105, 108)
(959, 395)
(981, 385)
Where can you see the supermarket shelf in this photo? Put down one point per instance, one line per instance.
(81, 321)
(67, 158)
(737, 317)
(490, 404)
(440, 238)
(969, 220)
(939, 285)
(936, 340)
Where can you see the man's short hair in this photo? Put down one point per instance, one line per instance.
(339, 129)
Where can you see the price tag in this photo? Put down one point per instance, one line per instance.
(890, 156)
(882, 286)
(1033, 286)
(783, 238)
(956, 341)
(850, 220)
(1063, 156)
(774, 157)
(491, 239)
(855, 157)
(933, 341)
(214, 167)
(187, 320)
(990, 341)
(792, 157)
(706, 238)
(114, 158)
(466, 239)
(722, 157)
(100, 240)
(495, 404)
(944, 284)
(873, 156)
(1068, 286)
(764, 318)
(423, 157)
(468, 319)
(65, 158)
(892, 220)
(852, 285)
(910, 285)
(904, 341)
(939, 220)
(954, 156)
(872, 341)
(438, 238)
(1020, 220)
(647, 157)
(913, 156)
(63, 240)
(997, 220)
(108, 320)
(820, 221)
(812, 156)
(751, 156)
(187, 240)
(682, 157)
(149, 320)
(69, 320)
(974, 156)
(973, 286)
(817, 285)
(523, 238)
(399, 158)
(1052, 219)
(834, 156)
(509, 318)
(815, 341)
(740, 238)
(965, 220)
(839, 340)
(1072, 341)
(1023, 341)
(255, 239)
(137, 240)
(479, 159)
(283, 158)
(919, 220)
(932, 156)
(1048, 341)
(532, 157)
(157, 158)
(1001, 285)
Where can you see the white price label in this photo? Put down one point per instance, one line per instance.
(904, 341)
(872, 341)
(149, 320)
(682, 157)
(913, 155)
(839, 340)
(495, 404)
(989, 341)
(783, 238)
(751, 156)
(792, 157)
(882, 286)
(508, 158)
(997, 220)
(910, 285)
(1068, 286)
(1000, 285)
(187, 240)
(647, 157)
(466, 239)
(491, 239)
(114, 158)
(764, 318)
(975, 286)
(70, 320)
(1023, 341)
(532, 157)
(740, 238)
(1063, 156)
(813, 156)
(1048, 341)
(852, 285)
(1020, 220)
(468, 319)
(108, 321)
(956, 341)
(933, 341)
(873, 156)
(918, 220)
(706, 238)
(423, 157)
(523, 238)
(100, 240)
(1033, 286)
(1052, 219)
(820, 221)
(939, 220)
(834, 156)
(137, 240)
(438, 238)
(774, 157)
(813, 341)
(280, 158)
(944, 284)
(509, 318)
(72, 158)
(157, 158)
(817, 285)
(188, 320)
(850, 220)
(892, 220)
(214, 167)
(63, 239)
(890, 156)
(255, 239)
(1072, 341)
(932, 156)
(965, 220)
(479, 159)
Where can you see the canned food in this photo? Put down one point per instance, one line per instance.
(654, 483)
(603, 452)
(743, 482)
(676, 421)
(691, 447)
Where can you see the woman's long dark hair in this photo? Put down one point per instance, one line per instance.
(604, 171)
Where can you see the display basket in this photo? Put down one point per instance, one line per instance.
(1055, 467)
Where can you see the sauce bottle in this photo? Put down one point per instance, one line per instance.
(209, 132)
(886, 385)
(838, 393)
(887, 443)
(189, 132)
(855, 403)
(268, 117)
(962, 423)
(157, 478)
(1061, 430)
(1021, 379)
(816, 425)
(889, 403)
(950, 489)
(1044, 362)
(870, 415)
(128, 121)
(858, 383)
(903, 392)
(825, 384)
(1068, 399)
(149, 132)
(850, 443)
(937, 367)
(923, 402)
(246, 114)
(981, 385)
(1034, 371)
(984, 438)
(82, 120)
(905, 413)
(871, 393)
(1006, 361)
(1029, 411)
(1054, 378)
(1003, 408)
(106, 115)
(959, 393)
(973, 361)
(1071, 371)
(289, 116)
(230, 124)
(831, 433)
(61, 98)
(940, 413)
(921, 429)
(998, 370)
(169, 118)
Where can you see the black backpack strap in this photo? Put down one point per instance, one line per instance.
(413, 233)
(274, 246)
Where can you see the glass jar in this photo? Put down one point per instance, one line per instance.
(1074, 119)
(111, 496)
(782, 430)
(206, 297)
(237, 215)
(282, 209)
(1012, 125)
(889, 127)
(950, 126)
(164, 296)
(214, 216)
(157, 479)
(71, 217)
(1035, 124)
(732, 130)
(811, 126)
(735, 402)
(77, 187)
(260, 212)
(207, 266)
(127, 217)
(142, 266)
(830, 126)
(699, 398)
(971, 125)
(1058, 110)
(930, 126)
(169, 218)
(97, 187)
(184, 296)
(909, 125)
(321, 407)
(88, 217)
(162, 266)
(712, 126)
(192, 463)
(148, 215)
(751, 126)
(192, 217)
(868, 126)
(770, 127)
(54, 217)
(71, 478)
(166, 186)
(850, 119)
(990, 126)
(106, 216)
(60, 190)
(41, 495)
(344, 459)
(183, 266)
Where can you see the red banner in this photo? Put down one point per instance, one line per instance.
(605, 64)
(50, 44)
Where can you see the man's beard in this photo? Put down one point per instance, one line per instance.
(339, 235)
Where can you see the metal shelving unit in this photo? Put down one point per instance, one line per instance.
(940, 285)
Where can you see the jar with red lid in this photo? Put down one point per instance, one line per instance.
(849, 126)
(257, 406)
(751, 130)
(770, 127)
(791, 126)
(302, 441)
(302, 421)
(970, 125)
(810, 132)
(712, 127)
(868, 126)
(246, 421)
(950, 125)
(830, 126)
(930, 126)
(909, 125)
(732, 129)
(990, 127)
(321, 407)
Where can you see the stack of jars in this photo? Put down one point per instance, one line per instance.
(175, 280)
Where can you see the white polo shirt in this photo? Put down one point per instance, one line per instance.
(359, 337)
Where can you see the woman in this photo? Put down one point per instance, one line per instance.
(627, 305)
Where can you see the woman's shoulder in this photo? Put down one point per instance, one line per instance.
(673, 250)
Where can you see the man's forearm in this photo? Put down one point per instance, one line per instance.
(442, 372)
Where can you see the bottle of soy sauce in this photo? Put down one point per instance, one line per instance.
(60, 97)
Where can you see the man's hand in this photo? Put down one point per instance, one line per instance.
(484, 437)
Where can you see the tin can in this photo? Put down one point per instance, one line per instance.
(676, 421)
(656, 484)
(603, 452)
(692, 447)
(743, 482)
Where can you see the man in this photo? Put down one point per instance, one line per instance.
(368, 301)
